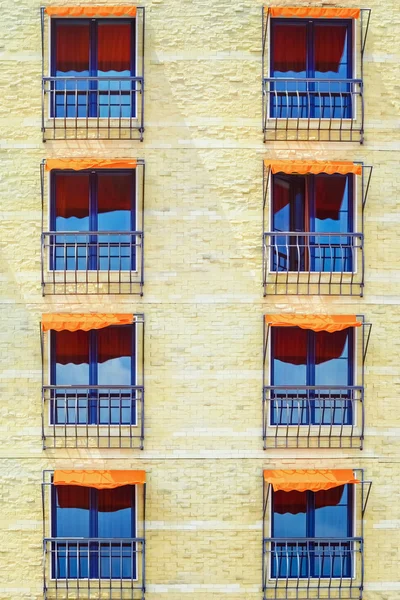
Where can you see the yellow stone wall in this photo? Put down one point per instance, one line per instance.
(203, 300)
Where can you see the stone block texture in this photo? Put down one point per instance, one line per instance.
(203, 300)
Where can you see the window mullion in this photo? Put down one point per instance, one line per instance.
(311, 374)
(93, 221)
(311, 66)
(93, 533)
(93, 377)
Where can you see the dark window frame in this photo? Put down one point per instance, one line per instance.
(93, 529)
(348, 265)
(310, 534)
(310, 379)
(310, 64)
(93, 378)
(93, 55)
(93, 208)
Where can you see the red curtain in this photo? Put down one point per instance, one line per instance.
(296, 502)
(329, 345)
(290, 502)
(114, 342)
(72, 497)
(72, 195)
(329, 47)
(281, 194)
(72, 47)
(108, 500)
(289, 52)
(117, 499)
(330, 497)
(329, 191)
(114, 47)
(290, 345)
(72, 347)
(115, 192)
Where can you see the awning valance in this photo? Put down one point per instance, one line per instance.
(85, 322)
(91, 11)
(313, 12)
(313, 167)
(314, 480)
(328, 323)
(82, 164)
(101, 480)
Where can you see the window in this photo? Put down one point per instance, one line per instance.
(93, 61)
(317, 526)
(311, 65)
(312, 374)
(101, 206)
(93, 374)
(321, 207)
(96, 530)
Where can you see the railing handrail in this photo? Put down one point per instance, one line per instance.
(93, 78)
(315, 539)
(93, 387)
(314, 387)
(106, 232)
(313, 234)
(314, 80)
(87, 539)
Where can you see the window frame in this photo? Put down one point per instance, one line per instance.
(352, 524)
(93, 24)
(353, 216)
(351, 59)
(352, 376)
(93, 371)
(53, 517)
(93, 210)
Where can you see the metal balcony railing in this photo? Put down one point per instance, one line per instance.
(313, 109)
(314, 568)
(316, 109)
(313, 416)
(313, 263)
(92, 108)
(311, 568)
(95, 568)
(92, 262)
(92, 416)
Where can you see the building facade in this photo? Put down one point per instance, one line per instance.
(204, 178)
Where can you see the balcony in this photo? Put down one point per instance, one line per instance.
(304, 260)
(87, 91)
(316, 416)
(106, 412)
(317, 93)
(314, 263)
(313, 110)
(303, 567)
(94, 568)
(98, 261)
(310, 416)
(93, 416)
(312, 567)
(110, 262)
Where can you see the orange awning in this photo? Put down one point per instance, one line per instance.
(329, 323)
(91, 11)
(81, 164)
(302, 167)
(300, 480)
(75, 322)
(314, 12)
(101, 480)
